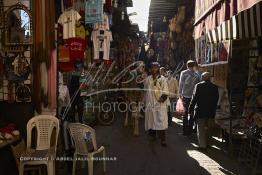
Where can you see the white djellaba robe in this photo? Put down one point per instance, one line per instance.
(156, 113)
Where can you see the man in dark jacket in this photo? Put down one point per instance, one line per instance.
(204, 104)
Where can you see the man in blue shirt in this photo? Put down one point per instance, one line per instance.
(188, 79)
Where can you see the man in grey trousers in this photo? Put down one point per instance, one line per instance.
(203, 105)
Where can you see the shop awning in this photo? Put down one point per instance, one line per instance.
(246, 24)
(230, 19)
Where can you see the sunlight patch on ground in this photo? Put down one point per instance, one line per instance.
(177, 121)
(194, 145)
(217, 139)
(207, 163)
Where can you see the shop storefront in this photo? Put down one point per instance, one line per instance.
(48, 49)
(228, 44)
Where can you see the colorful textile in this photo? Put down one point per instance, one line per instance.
(68, 19)
(80, 31)
(102, 25)
(93, 11)
(77, 48)
(101, 41)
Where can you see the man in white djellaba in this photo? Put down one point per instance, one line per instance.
(156, 119)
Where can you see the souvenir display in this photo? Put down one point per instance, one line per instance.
(15, 64)
(16, 68)
(23, 93)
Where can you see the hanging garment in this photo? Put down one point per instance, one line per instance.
(101, 41)
(44, 79)
(93, 11)
(63, 55)
(80, 31)
(77, 48)
(52, 80)
(49, 26)
(63, 97)
(63, 93)
(108, 6)
(80, 5)
(37, 53)
(68, 20)
(102, 25)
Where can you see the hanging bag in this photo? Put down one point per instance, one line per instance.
(180, 109)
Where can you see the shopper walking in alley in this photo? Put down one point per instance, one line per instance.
(156, 120)
(188, 79)
(203, 105)
(173, 94)
(163, 71)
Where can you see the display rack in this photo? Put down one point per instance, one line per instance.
(250, 154)
(237, 83)
(8, 54)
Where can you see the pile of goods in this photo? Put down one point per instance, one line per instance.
(8, 132)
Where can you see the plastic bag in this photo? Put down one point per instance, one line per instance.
(180, 109)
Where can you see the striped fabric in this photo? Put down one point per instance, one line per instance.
(247, 24)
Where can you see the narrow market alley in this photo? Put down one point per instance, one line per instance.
(141, 156)
(130, 87)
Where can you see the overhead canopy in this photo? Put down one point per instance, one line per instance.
(231, 19)
(163, 9)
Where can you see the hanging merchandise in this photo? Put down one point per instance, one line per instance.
(103, 25)
(23, 93)
(181, 14)
(68, 20)
(77, 48)
(81, 31)
(21, 67)
(115, 3)
(93, 11)
(80, 6)
(108, 6)
(224, 50)
(63, 54)
(16, 68)
(52, 80)
(101, 41)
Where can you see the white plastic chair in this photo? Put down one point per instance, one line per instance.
(79, 133)
(44, 153)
